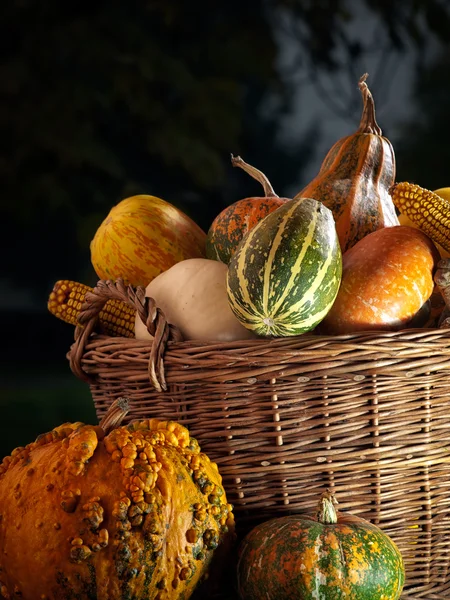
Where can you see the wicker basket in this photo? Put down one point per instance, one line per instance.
(367, 415)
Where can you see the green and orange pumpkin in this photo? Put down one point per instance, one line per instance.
(230, 226)
(109, 512)
(328, 556)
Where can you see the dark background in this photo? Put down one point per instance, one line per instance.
(102, 100)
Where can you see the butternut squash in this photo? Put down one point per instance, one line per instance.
(193, 296)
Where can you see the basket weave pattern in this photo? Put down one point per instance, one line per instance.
(367, 415)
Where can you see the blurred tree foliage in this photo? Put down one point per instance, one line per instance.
(423, 155)
(101, 100)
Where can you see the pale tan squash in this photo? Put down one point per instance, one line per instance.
(193, 296)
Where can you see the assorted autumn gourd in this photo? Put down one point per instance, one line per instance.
(110, 511)
(326, 556)
(281, 259)
(137, 511)
(281, 279)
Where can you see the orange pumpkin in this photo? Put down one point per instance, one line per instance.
(386, 278)
(110, 512)
(230, 226)
(143, 236)
(355, 178)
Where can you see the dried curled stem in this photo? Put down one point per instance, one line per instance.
(368, 123)
(269, 192)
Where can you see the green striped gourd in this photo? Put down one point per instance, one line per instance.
(285, 274)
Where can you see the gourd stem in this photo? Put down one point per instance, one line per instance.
(115, 414)
(326, 513)
(269, 192)
(368, 122)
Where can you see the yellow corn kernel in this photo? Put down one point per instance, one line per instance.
(66, 299)
(426, 209)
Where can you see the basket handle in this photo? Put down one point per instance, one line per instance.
(152, 317)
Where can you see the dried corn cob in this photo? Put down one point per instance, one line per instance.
(426, 209)
(65, 301)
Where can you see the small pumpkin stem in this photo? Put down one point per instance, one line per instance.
(326, 512)
(269, 192)
(368, 123)
(115, 414)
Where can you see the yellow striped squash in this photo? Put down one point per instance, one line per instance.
(143, 236)
(285, 274)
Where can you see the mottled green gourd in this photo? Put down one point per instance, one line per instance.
(327, 556)
(285, 274)
(355, 177)
(110, 512)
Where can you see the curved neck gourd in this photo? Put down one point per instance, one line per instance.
(355, 178)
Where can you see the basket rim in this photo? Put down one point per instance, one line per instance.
(164, 337)
(414, 350)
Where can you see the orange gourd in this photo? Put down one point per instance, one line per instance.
(386, 278)
(230, 226)
(143, 236)
(355, 178)
(110, 512)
